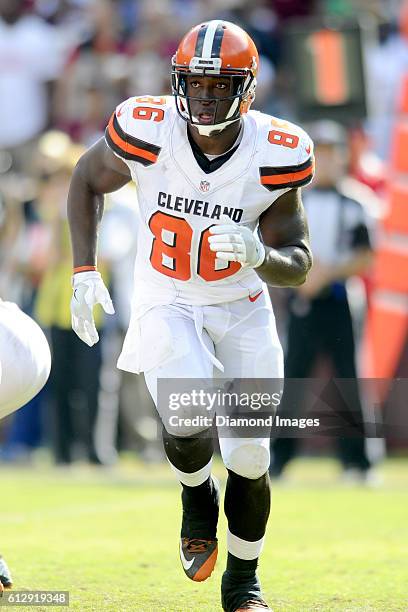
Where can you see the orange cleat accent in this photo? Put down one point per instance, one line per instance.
(254, 605)
(198, 557)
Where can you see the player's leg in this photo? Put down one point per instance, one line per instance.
(352, 450)
(247, 508)
(25, 363)
(200, 501)
(189, 450)
(249, 348)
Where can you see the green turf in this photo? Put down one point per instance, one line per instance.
(111, 540)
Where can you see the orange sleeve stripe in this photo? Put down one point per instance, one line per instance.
(277, 179)
(126, 147)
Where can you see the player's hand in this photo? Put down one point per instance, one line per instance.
(232, 242)
(89, 289)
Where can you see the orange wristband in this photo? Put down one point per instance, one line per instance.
(85, 269)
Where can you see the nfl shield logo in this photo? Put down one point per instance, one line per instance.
(204, 185)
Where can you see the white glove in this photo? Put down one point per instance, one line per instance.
(233, 242)
(89, 289)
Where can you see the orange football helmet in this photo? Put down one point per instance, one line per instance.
(216, 48)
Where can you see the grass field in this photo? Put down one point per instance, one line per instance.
(111, 540)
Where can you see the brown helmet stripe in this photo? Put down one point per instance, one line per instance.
(209, 39)
(218, 36)
(198, 52)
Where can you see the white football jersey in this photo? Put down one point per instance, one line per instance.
(179, 202)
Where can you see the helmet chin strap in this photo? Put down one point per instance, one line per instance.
(209, 130)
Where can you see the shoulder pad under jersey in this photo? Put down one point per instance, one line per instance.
(286, 156)
(137, 129)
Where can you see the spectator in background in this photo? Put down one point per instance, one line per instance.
(74, 379)
(262, 23)
(387, 72)
(150, 46)
(31, 56)
(11, 227)
(95, 77)
(290, 9)
(365, 165)
(319, 312)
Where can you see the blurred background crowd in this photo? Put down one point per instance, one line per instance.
(64, 66)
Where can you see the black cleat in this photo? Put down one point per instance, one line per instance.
(198, 542)
(242, 592)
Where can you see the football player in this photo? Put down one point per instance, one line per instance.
(221, 213)
(6, 581)
(25, 358)
(25, 363)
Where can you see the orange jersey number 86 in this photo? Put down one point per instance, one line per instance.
(171, 250)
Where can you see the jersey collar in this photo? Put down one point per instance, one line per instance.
(227, 170)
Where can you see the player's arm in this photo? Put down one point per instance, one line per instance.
(282, 256)
(280, 253)
(98, 171)
(285, 237)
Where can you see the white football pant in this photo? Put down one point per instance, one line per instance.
(197, 342)
(25, 359)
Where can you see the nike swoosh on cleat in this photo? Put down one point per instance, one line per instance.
(186, 564)
(253, 298)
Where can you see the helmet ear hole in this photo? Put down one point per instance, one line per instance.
(238, 85)
(246, 103)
